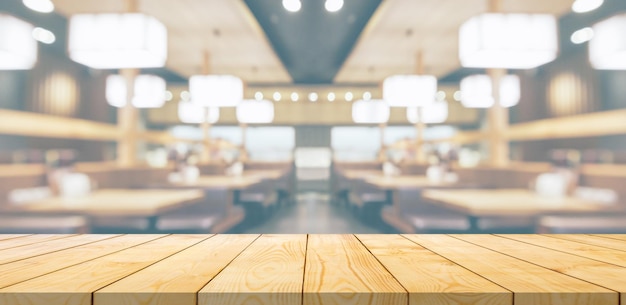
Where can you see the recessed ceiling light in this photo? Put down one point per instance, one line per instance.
(185, 95)
(277, 96)
(258, 96)
(42, 6)
(331, 97)
(582, 35)
(292, 5)
(367, 96)
(349, 96)
(313, 97)
(583, 6)
(44, 36)
(441, 96)
(294, 97)
(168, 95)
(333, 5)
(457, 96)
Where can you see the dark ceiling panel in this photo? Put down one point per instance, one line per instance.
(313, 43)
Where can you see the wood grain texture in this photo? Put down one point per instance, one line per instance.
(12, 236)
(592, 271)
(340, 270)
(607, 241)
(612, 236)
(26, 251)
(29, 240)
(117, 202)
(176, 279)
(23, 270)
(510, 202)
(585, 250)
(430, 278)
(268, 272)
(530, 283)
(74, 285)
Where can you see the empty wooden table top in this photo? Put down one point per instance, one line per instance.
(312, 269)
(115, 202)
(514, 202)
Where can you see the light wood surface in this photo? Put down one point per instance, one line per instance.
(313, 269)
(511, 202)
(218, 182)
(404, 182)
(33, 239)
(529, 283)
(116, 202)
(264, 174)
(340, 270)
(352, 174)
(269, 272)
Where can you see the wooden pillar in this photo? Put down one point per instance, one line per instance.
(498, 117)
(243, 152)
(382, 154)
(127, 120)
(206, 125)
(420, 157)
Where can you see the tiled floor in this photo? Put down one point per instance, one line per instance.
(313, 214)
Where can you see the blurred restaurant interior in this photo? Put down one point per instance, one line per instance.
(312, 116)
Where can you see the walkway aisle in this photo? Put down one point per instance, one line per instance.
(313, 214)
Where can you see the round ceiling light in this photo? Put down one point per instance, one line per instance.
(292, 5)
(583, 6)
(333, 5)
(42, 6)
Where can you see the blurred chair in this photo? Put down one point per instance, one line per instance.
(597, 224)
(39, 224)
(201, 217)
(259, 201)
(366, 202)
(43, 224)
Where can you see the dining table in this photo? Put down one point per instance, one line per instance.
(478, 203)
(145, 203)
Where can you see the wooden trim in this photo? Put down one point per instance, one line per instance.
(31, 124)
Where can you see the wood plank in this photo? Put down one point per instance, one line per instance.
(269, 272)
(529, 283)
(176, 279)
(29, 240)
(596, 124)
(589, 270)
(23, 252)
(340, 270)
(12, 236)
(75, 284)
(23, 270)
(430, 278)
(601, 241)
(612, 236)
(585, 250)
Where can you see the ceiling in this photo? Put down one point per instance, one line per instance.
(368, 40)
(226, 28)
(313, 43)
(400, 28)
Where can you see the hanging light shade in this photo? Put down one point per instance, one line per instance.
(255, 112)
(191, 113)
(509, 41)
(477, 92)
(434, 113)
(216, 90)
(116, 41)
(18, 49)
(409, 90)
(607, 49)
(370, 112)
(149, 91)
